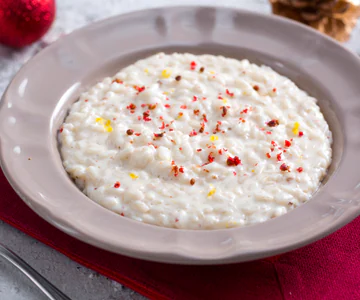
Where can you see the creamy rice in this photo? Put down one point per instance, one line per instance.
(196, 142)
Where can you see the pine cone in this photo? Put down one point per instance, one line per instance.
(336, 18)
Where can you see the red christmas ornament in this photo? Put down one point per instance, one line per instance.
(23, 22)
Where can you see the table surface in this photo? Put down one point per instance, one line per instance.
(75, 280)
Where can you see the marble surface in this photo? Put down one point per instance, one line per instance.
(76, 281)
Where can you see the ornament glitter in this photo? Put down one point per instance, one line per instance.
(23, 22)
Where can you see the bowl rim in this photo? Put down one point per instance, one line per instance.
(172, 244)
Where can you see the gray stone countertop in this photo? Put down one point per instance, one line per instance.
(75, 280)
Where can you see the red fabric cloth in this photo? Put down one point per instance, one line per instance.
(327, 269)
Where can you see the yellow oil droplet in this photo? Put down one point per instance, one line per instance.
(253, 171)
(214, 138)
(146, 71)
(212, 72)
(165, 73)
(106, 123)
(133, 176)
(212, 192)
(224, 100)
(295, 129)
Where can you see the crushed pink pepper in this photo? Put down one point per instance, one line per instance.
(117, 81)
(131, 106)
(117, 184)
(244, 111)
(211, 157)
(284, 168)
(272, 123)
(233, 161)
(229, 93)
(139, 89)
(192, 65)
(193, 133)
(146, 115)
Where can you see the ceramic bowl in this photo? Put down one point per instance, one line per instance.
(39, 96)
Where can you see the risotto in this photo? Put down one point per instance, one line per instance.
(196, 142)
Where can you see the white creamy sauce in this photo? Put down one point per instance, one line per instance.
(196, 142)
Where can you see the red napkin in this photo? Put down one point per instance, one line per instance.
(327, 269)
